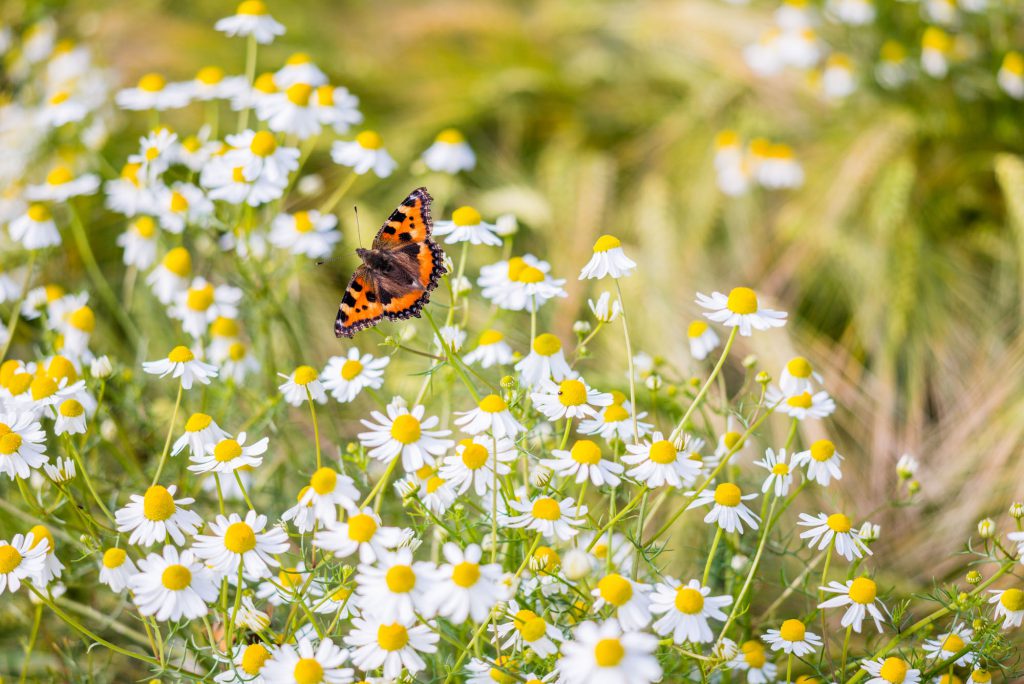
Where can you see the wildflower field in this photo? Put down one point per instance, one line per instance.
(576, 341)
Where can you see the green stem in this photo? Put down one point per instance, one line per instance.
(711, 556)
(629, 361)
(704, 390)
(316, 426)
(31, 643)
(170, 433)
(12, 322)
(85, 477)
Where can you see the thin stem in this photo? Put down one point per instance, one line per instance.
(629, 361)
(711, 556)
(316, 426)
(170, 433)
(704, 390)
(245, 494)
(77, 458)
(750, 575)
(12, 322)
(250, 75)
(31, 643)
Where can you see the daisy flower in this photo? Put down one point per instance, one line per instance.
(180, 205)
(152, 517)
(336, 107)
(236, 542)
(552, 518)
(753, 660)
(227, 179)
(792, 638)
(211, 84)
(466, 225)
(525, 629)
(449, 153)
(950, 643)
(472, 464)
(346, 376)
(247, 665)
(571, 398)
(892, 670)
(362, 532)
(171, 275)
(172, 586)
(365, 153)
(405, 433)
(251, 19)
(202, 303)
(629, 599)
(228, 455)
(464, 587)
(392, 645)
(326, 491)
(979, 675)
(727, 507)
(546, 360)
(740, 309)
(936, 47)
(834, 530)
(605, 309)
(584, 462)
(52, 567)
(128, 194)
(520, 283)
(1011, 75)
(22, 444)
(821, 462)
(261, 158)
(616, 421)
(21, 560)
(608, 260)
(61, 185)
(780, 476)
(491, 416)
(686, 610)
(299, 68)
(62, 471)
(305, 664)
(35, 228)
(152, 92)
(860, 595)
(337, 602)
(182, 363)
(155, 153)
(290, 111)
(396, 587)
(303, 384)
(435, 493)
(62, 108)
(302, 514)
(798, 376)
(803, 405)
(1009, 606)
(201, 433)
(601, 652)
(658, 462)
(116, 569)
(307, 233)
(491, 350)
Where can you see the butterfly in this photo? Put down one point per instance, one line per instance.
(398, 271)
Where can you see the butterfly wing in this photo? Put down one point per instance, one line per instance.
(417, 258)
(409, 223)
(360, 307)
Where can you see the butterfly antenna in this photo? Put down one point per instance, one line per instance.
(359, 232)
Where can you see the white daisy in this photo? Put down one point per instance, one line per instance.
(128, 194)
(362, 532)
(172, 275)
(261, 158)
(821, 462)
(546, 360)
(492, 416)
(201, 433)
(21, 560)
(727, 507)
(520, 283)
(155, 154)
(336, 107)
(228, 455)
(780, 475)
(891, 670)
(525, 629)
(740, 309)
(61, 184)
(251, 19)
(466, 225)
(1009, 606)
(116, 569)
(290, 111)
(601, 652)
(1011, 75)
(210, 83)
(172, 586)
(346, 376)
(365, 153)
(449, 153)
(152, 92)
(35, 228)
(834, 530)
(202, 303)
(630, 600)
(306, 233)
(299, 68)
(491, 350)
(305, 663)
(22, 445)
(702, 338)
(396, 587)
(584, 462)
(62, 471)
(753, 659)
(181, 205)
(302, 385)
(798, 376)
(182, 363)
(326, 491)
(803, 405)
(464, 587)
(235, 542)
(139, 243)
(616, 422)
(246, 665)
(291, 585)
(949, 644)
(792, 638)
(860, 595)
(571, 398)
(608, 260)
(392, 645)
(686, 610)
(472, 464)
(658, 462)
(552, 518)
(406, 433)
(156, 515)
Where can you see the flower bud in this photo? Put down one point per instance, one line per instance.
(1017, 510)
(506, 224)
(869, 532)
(914, 487)
(750, 360)
(508, 382)
(576, 564)
(906, 467)
(581, 328)
(762, 378)
(540, 476)
(973, 577)
(461, 285)
(101, 367)
(726, 649)
(653, 382)
(738, 563)
(310, 184)
(987, 528)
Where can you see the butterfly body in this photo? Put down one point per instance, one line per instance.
(397, 274)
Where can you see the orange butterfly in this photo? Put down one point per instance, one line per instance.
(397, 273)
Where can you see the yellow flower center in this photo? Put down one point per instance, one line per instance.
(263, 144)
(488, 337)
(792, 630)
(152, 83)
(158, 504)
(303, 223)
(38, 213)
(10, 442)
(406, 429)
(548, 556)
(609, 652)
(10, 558)
(1013, 62)
(350, 369)
(19, 383)
(802, 400)
(130, 172)
(530, 274)
(515, 267)
(61, 368)
(492, 403)
(298, 58)
(238, 175)
(181, 354)
(239, 538)
(59, 175)
(615, 589)
(728, 494)
(361, 528)
(178, 261)
(863, 590)
(983, 676)
(953, 643)
(799, 367)
(308, 671)
(42, 387)
(754, 655)
(39, 533)
(450, 136)
(299, 93)
(615, 413)
(1012, 600)
(731, 439)
(236, 351)
(200, 299)
(434, 483)
(325, 95)
(210, 75)
(197, 422)
(176, 577)
(894, 670)
(144, 226)
(60, 97)
(465, 574)
(392, 637)
(606, 242)
(400, 579)
(265, 83)
(290, 579)
(586, 452)
(192, 143)
(742, 300)
(179, 203)
(82, 319)
(780, 469)
(370, 140)
(252, 8)
(71, 408)
(498, 675)
(529, 625)
(304, 375)
(114, 558)
(572, 393)
(822, 450)
(224, 327)
(547, 344)
(253, 658)
(474, 455)
(466, 216)
(340, 594)
(546, 508)
(838, 522)
(696, 329)
(663, 452)
(689, 601)
(324, 481)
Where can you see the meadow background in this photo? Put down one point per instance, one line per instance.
(899, 259)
